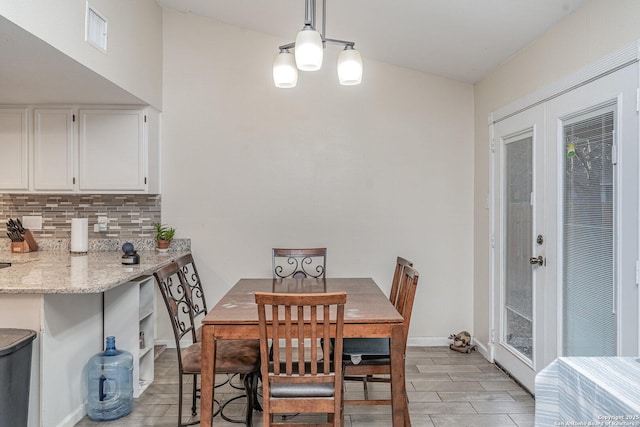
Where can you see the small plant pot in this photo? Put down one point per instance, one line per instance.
(163, 245)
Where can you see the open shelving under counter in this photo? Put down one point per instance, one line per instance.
(74, 301)
(129, 316)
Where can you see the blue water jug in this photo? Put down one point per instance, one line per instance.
(110, 385)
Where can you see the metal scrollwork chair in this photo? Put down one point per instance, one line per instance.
(189, 276)
(367, 358)
(299, 379)
(232, 356)
(299, 263)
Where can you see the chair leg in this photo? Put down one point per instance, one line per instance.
(249, 389)
(250, 384)
(366, 388)
(256, 384)
(194, 395)
(180, 401)
(407, 419)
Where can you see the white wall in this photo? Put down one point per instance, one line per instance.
(134, 51)
(593, 31)
(370, 171)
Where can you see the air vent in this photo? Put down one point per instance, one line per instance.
(96, 29)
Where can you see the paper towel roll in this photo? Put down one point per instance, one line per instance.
(79, 234)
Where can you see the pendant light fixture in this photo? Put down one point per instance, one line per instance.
(285, 73)
(308, 50)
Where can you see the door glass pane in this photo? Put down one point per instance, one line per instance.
(518, 297)
(589, 327)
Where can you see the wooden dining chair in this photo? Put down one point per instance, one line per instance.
(299, 263)
(299, 379)
(232, 356)
(401, 263)
(365, 359)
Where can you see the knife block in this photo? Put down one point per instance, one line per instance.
(28, 245)
(18, 247)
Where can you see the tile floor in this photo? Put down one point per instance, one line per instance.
(445, 389)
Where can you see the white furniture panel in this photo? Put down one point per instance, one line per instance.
(14, 146)
(112, 150)
(129, 311)
(594, 391)
(53, 149)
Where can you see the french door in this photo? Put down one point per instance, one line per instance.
(519, 241)
(592, 134)
(565, 227)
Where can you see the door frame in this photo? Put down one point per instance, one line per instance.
(617, 60)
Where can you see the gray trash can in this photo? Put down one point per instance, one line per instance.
(15, 375)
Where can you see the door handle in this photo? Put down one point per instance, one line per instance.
(539, 260)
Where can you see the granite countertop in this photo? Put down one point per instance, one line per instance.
(61, 272)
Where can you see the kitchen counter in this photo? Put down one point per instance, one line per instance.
(73, 301)
(60, 272)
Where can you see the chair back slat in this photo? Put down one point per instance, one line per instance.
(305, 321)
(299, 263)
(401, 263)
(406, 296)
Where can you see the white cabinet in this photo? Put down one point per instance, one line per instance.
(111, 155)
(80, 149)
(14, 146)
(129, 315)
(53, 149)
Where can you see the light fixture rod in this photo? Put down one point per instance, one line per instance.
(310, 18)
(310, 13)
(343, 42)
(324, 18)
(287, 46)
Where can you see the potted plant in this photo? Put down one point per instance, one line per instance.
(164, 235)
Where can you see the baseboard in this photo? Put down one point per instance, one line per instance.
(412, 341)
(73, 418)
(172, 343)
(428, 342)
(483, 350)
(415, 341)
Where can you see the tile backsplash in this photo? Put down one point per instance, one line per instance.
(129, 216)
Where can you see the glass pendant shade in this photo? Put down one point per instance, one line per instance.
(285, 73)
(349, 67)
(309, 49)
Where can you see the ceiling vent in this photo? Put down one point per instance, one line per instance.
(96, 29)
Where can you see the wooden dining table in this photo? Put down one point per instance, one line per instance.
(368, 313)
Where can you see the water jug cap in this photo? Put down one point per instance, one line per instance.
(110, 348)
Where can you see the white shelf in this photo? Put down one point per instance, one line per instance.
(145, 315)
(129, 311)
(145, 351)
(143, 385)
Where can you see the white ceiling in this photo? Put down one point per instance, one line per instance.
(458, 39)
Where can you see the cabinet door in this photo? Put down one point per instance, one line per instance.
(112, 150)
(53, 149)
(14, 144)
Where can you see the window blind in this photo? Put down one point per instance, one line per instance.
(589, 321)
